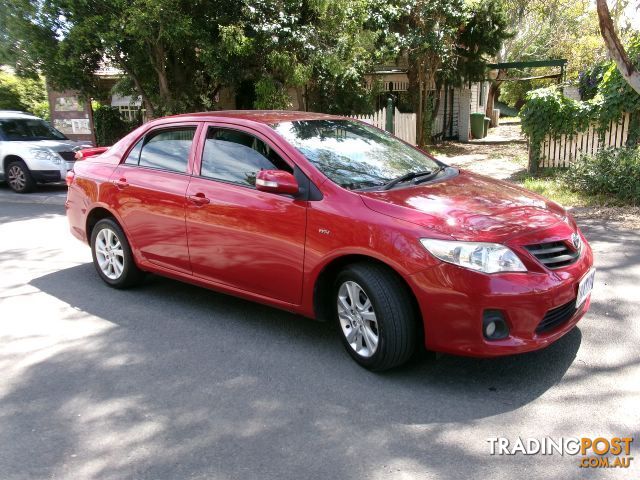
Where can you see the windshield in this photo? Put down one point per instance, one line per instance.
(352, 154)
(25, 129)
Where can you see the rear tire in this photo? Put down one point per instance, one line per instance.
(112, 255)
(375, 316)
(19, 177)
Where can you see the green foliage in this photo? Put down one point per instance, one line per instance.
(589, 80)
(514, 94)
(615, 95)
(109, 126)
(611, 172)
(178, 55)
(548, 112)
(270, 94)
(26, 94)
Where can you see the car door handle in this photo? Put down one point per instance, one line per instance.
(121, 183)
(198, 199)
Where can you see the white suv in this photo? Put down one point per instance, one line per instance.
(32, 151)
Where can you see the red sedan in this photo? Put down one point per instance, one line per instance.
(335, 220)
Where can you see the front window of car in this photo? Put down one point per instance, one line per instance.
(352, 154)
(28, 129)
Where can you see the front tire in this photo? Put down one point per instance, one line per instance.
(19, 177)
(375, 316)
(112, 255)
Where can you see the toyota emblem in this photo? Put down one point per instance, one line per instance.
(575, 239)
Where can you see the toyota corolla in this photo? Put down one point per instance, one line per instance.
(336, 220)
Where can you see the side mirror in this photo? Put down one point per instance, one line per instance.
(276, 181)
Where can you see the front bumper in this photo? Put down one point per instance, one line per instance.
(452, 301)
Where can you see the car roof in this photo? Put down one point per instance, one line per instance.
(16, 114)
(268, 117)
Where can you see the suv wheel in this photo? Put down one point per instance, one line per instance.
(19, 178)
(375, 315)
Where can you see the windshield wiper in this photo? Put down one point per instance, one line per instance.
(431, 176)
(412, 175)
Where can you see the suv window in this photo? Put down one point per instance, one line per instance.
(167, 149)
(28, 129)
(236, 157)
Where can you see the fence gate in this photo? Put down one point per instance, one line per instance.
(404, 124)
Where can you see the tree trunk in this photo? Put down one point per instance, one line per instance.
(151, 111)
(158, 63)
(300, 98)
(615, 48)
(494, 91)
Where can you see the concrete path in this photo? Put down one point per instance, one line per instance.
(502, 154)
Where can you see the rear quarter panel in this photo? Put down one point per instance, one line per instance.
(86, 193)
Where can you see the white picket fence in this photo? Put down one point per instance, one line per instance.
(378, 119)
(404, 124)
(566, 149)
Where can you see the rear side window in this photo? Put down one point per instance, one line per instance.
(167, 149)
(235, 156)
(134, 155)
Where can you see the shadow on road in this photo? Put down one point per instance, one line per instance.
(169, 323)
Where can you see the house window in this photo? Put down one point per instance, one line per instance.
(131, 113)
(481, 97)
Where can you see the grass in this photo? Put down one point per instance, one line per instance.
(550, 184)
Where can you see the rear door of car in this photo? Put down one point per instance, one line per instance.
(238, 236)
(152, 183)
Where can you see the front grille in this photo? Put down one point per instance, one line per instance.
(68, 156)
(557, 316)
(554, 254)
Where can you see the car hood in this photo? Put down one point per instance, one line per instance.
(58, 145)
(468, 207)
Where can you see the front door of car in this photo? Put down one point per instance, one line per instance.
(238, 236)
(151, 184)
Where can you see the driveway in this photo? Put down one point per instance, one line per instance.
(171, 381)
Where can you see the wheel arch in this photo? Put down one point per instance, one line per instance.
(96, 214)
(323, 285)
(11, 158)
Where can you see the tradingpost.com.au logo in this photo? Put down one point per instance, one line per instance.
(593, 452)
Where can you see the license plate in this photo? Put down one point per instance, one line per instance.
(585, 286)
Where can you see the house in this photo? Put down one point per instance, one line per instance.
(456, 104)
(452, 121)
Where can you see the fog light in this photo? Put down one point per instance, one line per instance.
(494, 327)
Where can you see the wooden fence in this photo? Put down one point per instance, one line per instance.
(378, 119)
(404, 124)
(566, 149)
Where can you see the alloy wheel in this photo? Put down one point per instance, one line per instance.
(358, 319)
(16, 178)
(109, 253)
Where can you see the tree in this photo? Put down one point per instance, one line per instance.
(24, 94)
(545, 29)
(441, 41)
(615, 48)
(177, 54)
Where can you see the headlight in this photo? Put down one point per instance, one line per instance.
(46, 156)
(483, 257)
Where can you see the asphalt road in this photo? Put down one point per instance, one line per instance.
(171, 381)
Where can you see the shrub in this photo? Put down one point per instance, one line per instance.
(110, 127)
(611, 172)
(589, 80)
